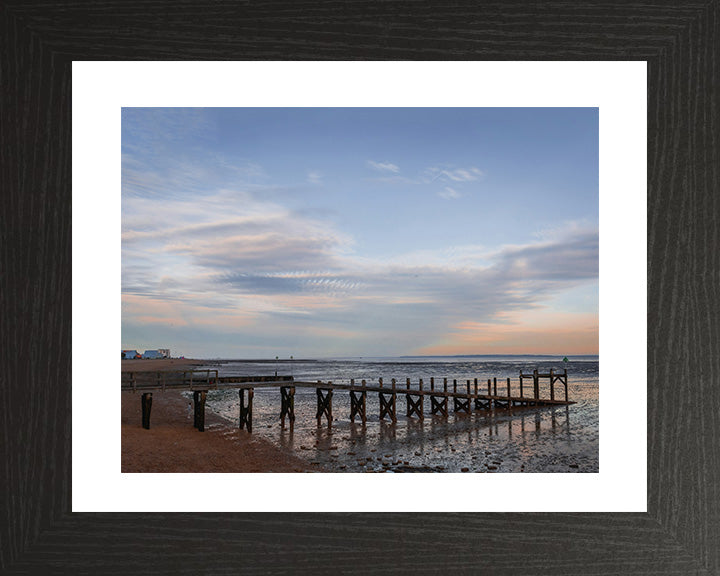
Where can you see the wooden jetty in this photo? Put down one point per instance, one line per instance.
(472, 394)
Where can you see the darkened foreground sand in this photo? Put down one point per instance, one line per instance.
(173, 445)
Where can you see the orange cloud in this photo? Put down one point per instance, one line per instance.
(528, 333)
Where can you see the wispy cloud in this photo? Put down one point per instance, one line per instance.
(249, 258)
(384, 166)
(449, 193)
(449, 174)
(314, 177)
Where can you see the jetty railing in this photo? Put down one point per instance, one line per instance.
(466, 396)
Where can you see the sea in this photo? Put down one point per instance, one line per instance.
(561, 439)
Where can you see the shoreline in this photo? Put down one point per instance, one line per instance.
(173, 445)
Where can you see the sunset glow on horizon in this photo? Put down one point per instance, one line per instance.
(264, 232)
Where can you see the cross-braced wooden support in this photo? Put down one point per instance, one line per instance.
(357, 405)
(324, 401)
(146, 406)
(481, 404)
(387, 405)
(414, 407)
(461, 404)
(439, 404)
(246, 409)
(562, 378)
(287, 404)
(199, 412)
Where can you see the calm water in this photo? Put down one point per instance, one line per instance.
(561, 439)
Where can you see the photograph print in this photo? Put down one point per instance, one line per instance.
(377, 290)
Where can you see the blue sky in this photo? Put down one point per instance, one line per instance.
(315, 232)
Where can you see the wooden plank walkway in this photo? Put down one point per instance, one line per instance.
(465, 396)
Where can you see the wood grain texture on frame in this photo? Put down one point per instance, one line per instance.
(680, 534)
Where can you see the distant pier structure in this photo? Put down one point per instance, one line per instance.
(466, 396)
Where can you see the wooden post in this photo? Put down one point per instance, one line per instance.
(455, 386)
(439, 405)
(468, 387)
(420, 385)
(246, 410)
(566, 386)
(494, 386)
(445, 385)
(536, 384)
(380, 380)
(199, 398)
(196, 395)
(414, 407)
(388, 406)
(461, 404)
(476, 387)
(432, 383)
(521, 384)
(407, 383)
(146, 407)
(357, 405)
(287, 404)
(489, 393)
(324, 402)
(508, 385)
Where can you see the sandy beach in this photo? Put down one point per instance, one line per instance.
(173, 445)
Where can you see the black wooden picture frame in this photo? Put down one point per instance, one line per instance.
(680, 533)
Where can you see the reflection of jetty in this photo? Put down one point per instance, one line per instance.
(464, 396)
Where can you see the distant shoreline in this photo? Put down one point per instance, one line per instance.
(143, 365)
(557, 357)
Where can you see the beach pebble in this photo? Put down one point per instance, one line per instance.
(574, 466)
(464, 469)
(351, 453)
(492, 467)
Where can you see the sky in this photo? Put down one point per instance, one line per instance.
(334, 232)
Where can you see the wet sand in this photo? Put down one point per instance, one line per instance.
(173, 445)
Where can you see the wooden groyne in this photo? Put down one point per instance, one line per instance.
(466, 396)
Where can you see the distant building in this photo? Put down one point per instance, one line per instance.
(130, 354)
(154, 354)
